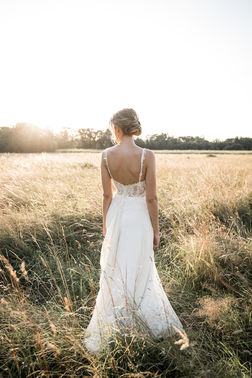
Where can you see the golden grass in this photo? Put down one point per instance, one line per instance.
(50, 240)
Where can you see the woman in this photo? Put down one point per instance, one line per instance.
(130, 293)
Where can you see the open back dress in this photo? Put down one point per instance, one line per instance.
(130, 290)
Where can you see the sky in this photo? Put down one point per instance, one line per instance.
(185, 66)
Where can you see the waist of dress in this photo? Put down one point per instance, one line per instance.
(141, 197)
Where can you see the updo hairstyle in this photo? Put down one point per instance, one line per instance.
(128, 122)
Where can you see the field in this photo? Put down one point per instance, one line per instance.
(50, 241)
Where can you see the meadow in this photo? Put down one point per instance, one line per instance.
(50, 242)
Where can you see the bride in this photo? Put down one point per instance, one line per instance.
(130, 293)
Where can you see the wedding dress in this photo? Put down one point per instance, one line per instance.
(130, 287)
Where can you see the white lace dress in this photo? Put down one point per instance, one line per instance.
(130, 288)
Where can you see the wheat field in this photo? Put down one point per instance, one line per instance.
(50, 242)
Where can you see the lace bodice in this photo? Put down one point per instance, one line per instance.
(130, 190)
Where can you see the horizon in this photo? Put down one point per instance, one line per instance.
(140, 136)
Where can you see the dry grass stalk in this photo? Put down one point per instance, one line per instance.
(24, 271)
(51, 346)
(68, 304)
(40, 345)
(184, 339)
(12, 272)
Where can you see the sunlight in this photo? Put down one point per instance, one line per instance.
(185, 69)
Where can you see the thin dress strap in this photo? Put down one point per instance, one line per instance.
(106, 159)
(142, 158)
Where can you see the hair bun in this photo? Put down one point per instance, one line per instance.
(128, 122)
(134, 129)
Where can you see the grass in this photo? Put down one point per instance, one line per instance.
(50, 242)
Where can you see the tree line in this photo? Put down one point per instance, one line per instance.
(24, 137)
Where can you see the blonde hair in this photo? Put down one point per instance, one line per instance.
(127, 120)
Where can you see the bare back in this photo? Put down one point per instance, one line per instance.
(125, 164)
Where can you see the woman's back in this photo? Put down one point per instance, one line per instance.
(126, 164)
(133, 170)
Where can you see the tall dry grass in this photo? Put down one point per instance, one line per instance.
(50, 241)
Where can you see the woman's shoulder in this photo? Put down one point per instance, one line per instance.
(109, 148)
(149, 153)
(147, 149)
(106, 150)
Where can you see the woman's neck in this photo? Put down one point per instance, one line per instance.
(127, 141)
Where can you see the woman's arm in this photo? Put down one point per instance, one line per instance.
(107, 191)
(151, 195)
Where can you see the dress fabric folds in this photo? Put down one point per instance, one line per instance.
(130, 288)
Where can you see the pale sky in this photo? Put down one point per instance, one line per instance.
(185, 66)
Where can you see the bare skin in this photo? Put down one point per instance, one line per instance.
(124, 163)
